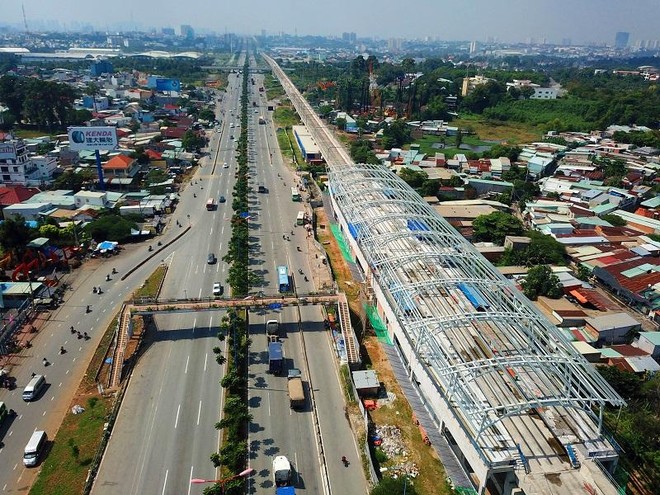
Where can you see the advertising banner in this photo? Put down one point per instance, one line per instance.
(7, 151)
(92, 138)
(168, 85)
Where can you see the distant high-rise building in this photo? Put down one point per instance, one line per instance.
(394, 44)
(349, 37)
(263, 33)
(621, 40)
(473, 47)
(566, 41)
(167, 31)
(187, 31)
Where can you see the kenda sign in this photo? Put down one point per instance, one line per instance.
(92, 138)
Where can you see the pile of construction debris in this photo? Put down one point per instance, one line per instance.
(388, 439)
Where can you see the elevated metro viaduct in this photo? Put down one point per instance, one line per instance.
(519, 407)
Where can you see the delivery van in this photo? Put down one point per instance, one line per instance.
(35, 448)
(34, 388)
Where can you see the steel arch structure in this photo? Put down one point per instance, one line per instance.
(424, 265)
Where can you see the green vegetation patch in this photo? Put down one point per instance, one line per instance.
(285, 116)
(151, 286)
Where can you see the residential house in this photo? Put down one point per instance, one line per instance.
(649, 342)
(613, 328)
(15, 195)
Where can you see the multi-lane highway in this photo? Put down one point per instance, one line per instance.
(165, 431)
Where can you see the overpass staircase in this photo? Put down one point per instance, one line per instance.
(350, 341)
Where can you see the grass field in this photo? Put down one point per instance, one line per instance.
(505, 132)
(29, 133)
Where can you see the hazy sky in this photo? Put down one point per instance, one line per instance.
(507, 20)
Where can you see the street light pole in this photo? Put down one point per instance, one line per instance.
(31, 293)
(243, 474)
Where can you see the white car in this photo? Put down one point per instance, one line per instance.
(225, 165)
(217, 289)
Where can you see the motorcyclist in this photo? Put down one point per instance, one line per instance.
(73, 330)
(45, 361)
(62, 349)
(107, 278)
(87, 310)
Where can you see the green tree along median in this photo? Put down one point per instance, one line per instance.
(233, 455)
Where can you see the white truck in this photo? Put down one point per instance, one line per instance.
(282, 475)
(272, 327)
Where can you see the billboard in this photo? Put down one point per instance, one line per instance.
(92, 138)
(7, 151)
(168, 85)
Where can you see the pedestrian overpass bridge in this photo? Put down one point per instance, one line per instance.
(150, 306)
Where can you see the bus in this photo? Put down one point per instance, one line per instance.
(295, 194)
(210, 204)
(300, 219)
(283, 278)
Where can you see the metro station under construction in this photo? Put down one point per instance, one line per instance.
(520, 409)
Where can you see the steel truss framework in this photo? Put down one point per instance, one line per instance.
(494, 355)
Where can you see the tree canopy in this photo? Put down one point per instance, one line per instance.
(495, 226)
(45, 104)
(540, 281)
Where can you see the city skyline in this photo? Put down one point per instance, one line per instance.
(440, 19)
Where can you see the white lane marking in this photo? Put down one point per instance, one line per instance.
(199, 412)
(176, 421)
(187, 361)
(206, 358)
(167, 472)
(194, 325)
(200, 293)
(190, 484)
(211, 233)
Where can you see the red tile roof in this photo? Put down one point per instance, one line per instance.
(153, 155)
(118, 162)
(16, 194)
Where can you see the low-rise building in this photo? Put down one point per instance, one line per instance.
(649, 342)
(612, 328)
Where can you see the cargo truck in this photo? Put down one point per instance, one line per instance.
(275, 357)
(295, 388)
